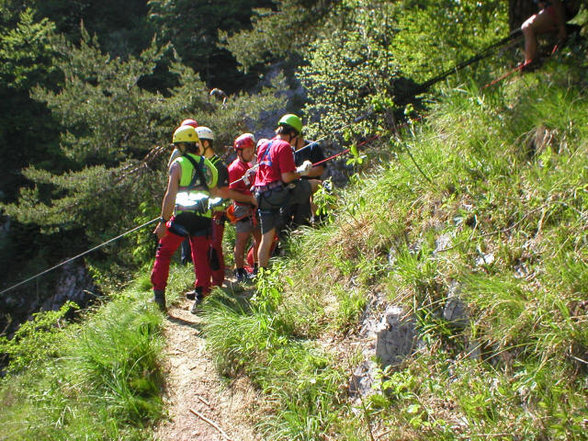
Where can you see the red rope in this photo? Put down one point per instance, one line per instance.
(346, 150)
(509, 73)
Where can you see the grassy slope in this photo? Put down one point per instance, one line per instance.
(502, 221)
(96, 379)
(490, 195)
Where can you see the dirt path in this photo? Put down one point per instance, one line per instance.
(196, 398)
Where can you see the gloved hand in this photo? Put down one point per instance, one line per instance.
(249, 175)
(305, 168)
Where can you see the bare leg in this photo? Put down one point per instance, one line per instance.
(240, 243)
(540, 23)
(263, 253)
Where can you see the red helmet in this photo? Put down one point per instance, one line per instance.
(189, 122)
(244, 141)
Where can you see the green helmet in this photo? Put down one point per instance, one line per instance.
(292, 121)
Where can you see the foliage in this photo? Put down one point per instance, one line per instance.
(280, 32)
(121, 28)
(26, 57)
(36, 339)
(99, 379)
(349, 66)
(437, 34)
(362, 60)
(193, 27)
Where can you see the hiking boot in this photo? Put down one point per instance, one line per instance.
(159, 299)
(191, 295)
(253, 274)
(198, 297)
(241, 275)
(196, 305)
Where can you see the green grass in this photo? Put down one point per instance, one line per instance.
(492, 200)
(487, 198)
(97, 378)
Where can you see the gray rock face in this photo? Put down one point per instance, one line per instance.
(75, 284)
(455, 310)
(396, 336)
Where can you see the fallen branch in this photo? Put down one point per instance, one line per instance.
(212, 423)
(203, 400)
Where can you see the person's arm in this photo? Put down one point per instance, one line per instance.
(169, 199)
(288, 177)
(227, 193)
(316, 171)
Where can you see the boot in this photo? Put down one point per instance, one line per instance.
(240, 274)
(197, 300)
(159, 299)
(191, 295)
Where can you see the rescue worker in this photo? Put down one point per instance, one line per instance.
(302, 213)
(185, 213)
(185, 251)
(277, 181)
(219, 204)
(241, 175)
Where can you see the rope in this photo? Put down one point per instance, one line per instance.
(479, 56)
(507, 74)
(79, 255)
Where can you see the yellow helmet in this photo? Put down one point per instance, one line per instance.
(185, 134)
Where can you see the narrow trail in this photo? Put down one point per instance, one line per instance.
(200, 405)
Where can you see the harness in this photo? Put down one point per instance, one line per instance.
(218, 204)
(198, 179)
(188, 200)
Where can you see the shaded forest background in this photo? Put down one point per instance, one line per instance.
(91, 91)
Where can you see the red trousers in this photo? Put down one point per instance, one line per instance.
(218, 230)
(168, 245)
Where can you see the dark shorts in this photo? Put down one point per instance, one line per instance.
(271, 202)
(189, 224)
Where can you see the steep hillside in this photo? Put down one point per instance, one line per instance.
(444, 297)
(447, 298)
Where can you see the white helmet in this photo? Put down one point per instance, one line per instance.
(205, 133)
(261, 141)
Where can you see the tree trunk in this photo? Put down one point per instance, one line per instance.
(519, 11)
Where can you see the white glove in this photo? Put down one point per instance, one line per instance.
(305, 168)
(249, 175)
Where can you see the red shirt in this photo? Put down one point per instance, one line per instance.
(273, 162)
(236, 171)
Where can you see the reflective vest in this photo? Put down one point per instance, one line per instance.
(198, 175)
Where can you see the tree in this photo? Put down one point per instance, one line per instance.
(192, 26)
(110, 125)
(369, 52)
(26, 128)
(349, 66)
(280, 32)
